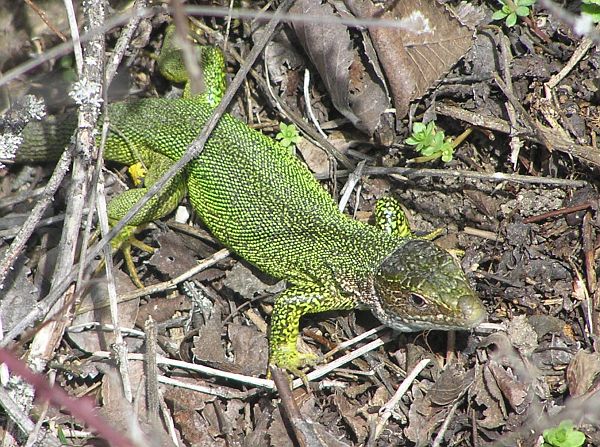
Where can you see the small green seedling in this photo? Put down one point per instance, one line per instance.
(432, 143)
(512, 10)
(563, 436)
(591, 8)
(288, 135)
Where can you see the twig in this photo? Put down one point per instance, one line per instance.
(165, 285)
(581, 50)
(388, 409)
(460, 174)
(307, 101)
(25, 232)
(14, 230)
(33, 437)
(326, 369)
(44, 17)
(560, 212)
(304, 431)
(77, 50)
(15, 413)
(124, 38)
(225, 393)
(211, 372)
(552, 139)
(353, 180)
(151, 371)
(82, 409)
(439, 437)
(506, 56)
(90, 80)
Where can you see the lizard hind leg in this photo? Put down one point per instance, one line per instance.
(212, 62)
(161, 204)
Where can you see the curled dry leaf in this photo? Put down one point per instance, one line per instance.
(583, 372)
(354, 89)
(428, 41)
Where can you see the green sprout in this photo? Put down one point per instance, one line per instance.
(563, 436)
(512, 10)
(591, 8)
(288, 135)
(432, 143)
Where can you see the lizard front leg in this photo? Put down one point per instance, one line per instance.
(290, 306)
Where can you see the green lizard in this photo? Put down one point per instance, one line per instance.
(259, 200)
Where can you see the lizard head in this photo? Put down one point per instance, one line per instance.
(421, 286)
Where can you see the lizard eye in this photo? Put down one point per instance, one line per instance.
(417, 300)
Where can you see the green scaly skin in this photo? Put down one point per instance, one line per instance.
(259, 200)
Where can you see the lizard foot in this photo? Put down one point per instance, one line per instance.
(123, 242)
(435, 234)
(288, 358)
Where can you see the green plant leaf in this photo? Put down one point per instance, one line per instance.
(563, 436)
(527, 2)
(592, 10)
(511, 20)
(522, 11)
(419, 128)
(288, 135)
(499, 15)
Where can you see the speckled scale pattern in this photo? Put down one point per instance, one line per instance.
(259, 199)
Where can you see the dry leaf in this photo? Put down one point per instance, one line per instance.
(583, 373)
(353, 89)
(429, 41)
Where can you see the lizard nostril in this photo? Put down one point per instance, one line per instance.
(472, 310)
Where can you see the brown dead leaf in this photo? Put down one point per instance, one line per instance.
(19, 295)
(94, 308)
(250, 349)
(429, 41)
(451, 384)
(424, 417)
(354, 91)
(315, 158)
(188, 415)
(486, 204)
(162, 309)
(178, 253)
(583, 373)
(349, 413)
(522, 335)
(486, 393)
(124, 416)
(241, 280)
(208, 345)
(513, 388)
